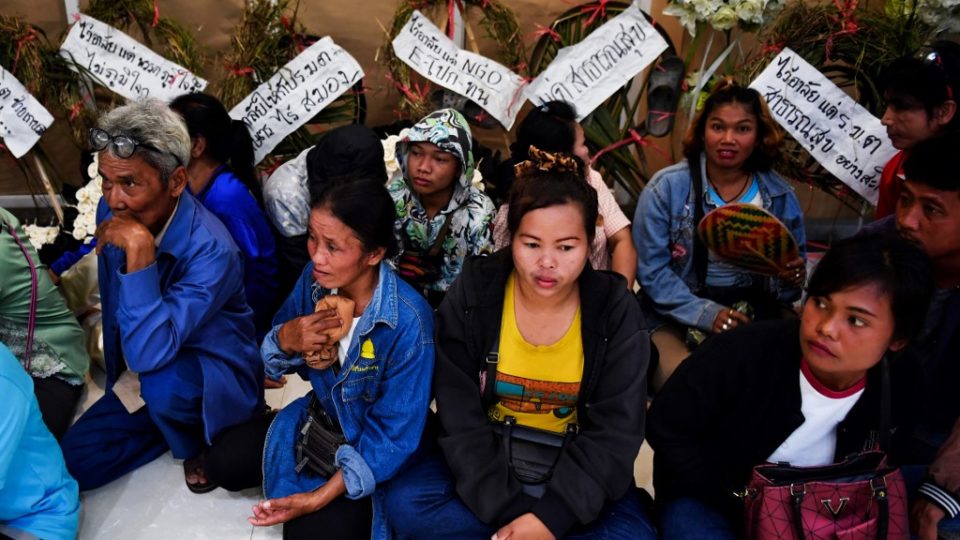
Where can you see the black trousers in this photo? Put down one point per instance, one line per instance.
(58, 403)
(234, 462)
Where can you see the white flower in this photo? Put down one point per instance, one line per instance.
(705, 8)
(390, 154)
(750, 11)
(41, 236)
(687, 15)
(725, 18)
(477, 180)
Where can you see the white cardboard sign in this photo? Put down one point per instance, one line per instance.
(125, 66)
(589, 72)
(296, 93)
(429, 52)
(22, 118)
(840, 134)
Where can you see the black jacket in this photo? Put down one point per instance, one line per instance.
(597, 466)
(730, 405)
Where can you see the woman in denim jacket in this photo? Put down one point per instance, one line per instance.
(734, 141)
(376, 386)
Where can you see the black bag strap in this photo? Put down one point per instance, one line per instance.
(885, 414)
(490, 364)
(699, 250)
(796, 501)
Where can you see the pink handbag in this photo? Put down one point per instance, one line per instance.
(859, 498)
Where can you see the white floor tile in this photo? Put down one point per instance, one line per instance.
(154, 503)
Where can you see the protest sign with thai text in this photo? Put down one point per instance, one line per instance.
(22, 118)
(125, 66)
(296, 93)
(429, 52)
(589, 72)
(840, 134)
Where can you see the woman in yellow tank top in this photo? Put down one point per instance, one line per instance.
(534, 345)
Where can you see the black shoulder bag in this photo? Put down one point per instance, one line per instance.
(318, 440)
(531, 453)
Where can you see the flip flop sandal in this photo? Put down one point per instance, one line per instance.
(191, 466)
(448, 99)
(663, 95)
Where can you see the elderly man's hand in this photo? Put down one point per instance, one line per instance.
(131, 236)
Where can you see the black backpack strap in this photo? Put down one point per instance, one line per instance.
(699, 250)
(885, 420)
(490, 364)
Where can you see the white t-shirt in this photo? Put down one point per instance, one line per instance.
(815, 441)
(345, 342)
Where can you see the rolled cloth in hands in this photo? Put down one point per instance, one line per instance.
(327, 354)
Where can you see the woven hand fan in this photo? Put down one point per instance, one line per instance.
(749, 237)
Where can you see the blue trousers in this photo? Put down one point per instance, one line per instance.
(691, 519)
(421, 502)
(107, 442)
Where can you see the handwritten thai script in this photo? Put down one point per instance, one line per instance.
(22, 118)
(118, 62)
(296, 93)
(492, 86)
(839, 133)
(591, 71)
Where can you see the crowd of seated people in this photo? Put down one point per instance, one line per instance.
(484, 373)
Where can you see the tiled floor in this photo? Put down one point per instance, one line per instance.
(153, 503)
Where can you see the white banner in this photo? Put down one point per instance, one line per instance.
(429, 52)
(841, 135)
(589, 72)
(125, 66)
(296, 93)
(22, 118)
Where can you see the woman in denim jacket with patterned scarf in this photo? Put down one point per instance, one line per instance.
(734, 141)
(378, 391)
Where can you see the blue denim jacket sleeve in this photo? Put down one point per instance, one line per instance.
(653, 236)
(392, 425)
(275, 361)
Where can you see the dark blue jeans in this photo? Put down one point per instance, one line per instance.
(421, 502)
(692, 519)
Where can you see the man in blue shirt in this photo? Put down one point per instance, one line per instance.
(37, 496)
(178, 335)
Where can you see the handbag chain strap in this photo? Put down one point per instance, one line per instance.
(32, 317)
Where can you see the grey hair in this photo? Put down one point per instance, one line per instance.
(151, 122)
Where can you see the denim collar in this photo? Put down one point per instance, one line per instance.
(771, 184)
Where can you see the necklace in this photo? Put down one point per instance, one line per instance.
(746, 182)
